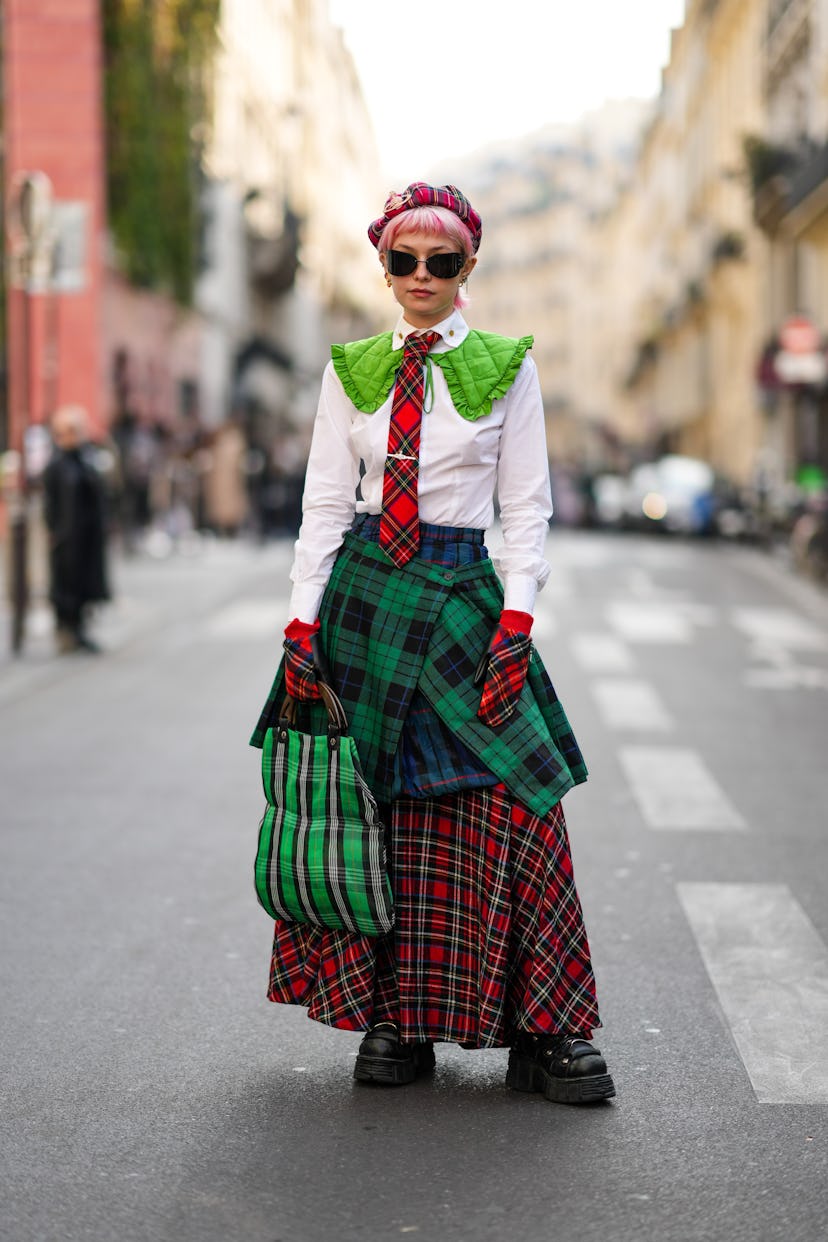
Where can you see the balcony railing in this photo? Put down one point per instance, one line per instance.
(779, 11)
(782, 179)
(810, 173)
(788, 37)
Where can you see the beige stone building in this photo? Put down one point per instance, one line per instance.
(540, 271)
(717, 253)
(293, 179)
(687, 255)
(665, 289)
(789, 169)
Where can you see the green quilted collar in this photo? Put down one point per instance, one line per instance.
(478, 371)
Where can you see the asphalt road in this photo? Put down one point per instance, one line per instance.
(151, 1094)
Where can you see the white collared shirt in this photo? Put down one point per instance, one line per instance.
(461, 464)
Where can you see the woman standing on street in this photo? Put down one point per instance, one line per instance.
(461, 736)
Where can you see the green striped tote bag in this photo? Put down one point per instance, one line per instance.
(321, 856)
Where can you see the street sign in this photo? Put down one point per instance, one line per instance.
(800, 335)
(801, 358)
(794, 368)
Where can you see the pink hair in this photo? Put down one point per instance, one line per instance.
(434, 222)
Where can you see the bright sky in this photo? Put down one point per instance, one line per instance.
(461, 74)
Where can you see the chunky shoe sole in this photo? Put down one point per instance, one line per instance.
(524, 1074)
(392, 1073)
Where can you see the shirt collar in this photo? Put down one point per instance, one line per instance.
(453, 331)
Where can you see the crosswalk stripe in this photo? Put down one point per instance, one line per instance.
(770, 971)
(601, 653)
(649, 621)
(675, 790)
(779, 628)
(628, 703)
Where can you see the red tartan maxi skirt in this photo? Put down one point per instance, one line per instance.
(489, 938)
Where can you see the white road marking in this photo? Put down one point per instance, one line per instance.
(774, 636)
(650, 622)
(770, 971)
(627, 703)
(772, 628)
(248, 619)
(601, 653)
(640, 583)
(786, 678)
(675, 790)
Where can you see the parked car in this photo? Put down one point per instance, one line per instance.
(675, 493)
(609, 498)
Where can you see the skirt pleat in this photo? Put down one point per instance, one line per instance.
(489, 937)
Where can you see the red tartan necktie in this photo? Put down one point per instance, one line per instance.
(399, 531)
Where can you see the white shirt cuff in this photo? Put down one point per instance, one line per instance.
(519, 592)
(305, 599)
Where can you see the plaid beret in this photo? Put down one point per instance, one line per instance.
(420, 194)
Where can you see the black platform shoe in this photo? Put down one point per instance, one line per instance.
(384, 1059)
(565, 1068)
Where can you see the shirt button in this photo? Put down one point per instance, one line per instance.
(451, 331)
(448, 577)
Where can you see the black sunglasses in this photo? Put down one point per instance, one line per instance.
(442, 266)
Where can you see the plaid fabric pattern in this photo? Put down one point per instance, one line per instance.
(421, 194)
(399, 525)
(387, 632)
(505, 676)
(430, 761)
(448, 546)
(300, 678)
(489, 937)
(321, 851)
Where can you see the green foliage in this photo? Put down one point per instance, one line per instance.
(157, 59)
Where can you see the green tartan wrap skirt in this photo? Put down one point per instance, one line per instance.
(388, 632)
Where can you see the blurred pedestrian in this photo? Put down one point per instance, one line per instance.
(459, 730)
(225, 483)
(139, 462)
(74, 507)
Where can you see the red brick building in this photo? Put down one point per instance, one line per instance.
(53, 123)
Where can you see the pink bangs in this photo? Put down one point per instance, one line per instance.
(433, 222)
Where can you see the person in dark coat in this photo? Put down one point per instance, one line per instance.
(74, 509)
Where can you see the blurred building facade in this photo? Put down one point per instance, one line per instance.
(686, 354)
(673, 263)
(284, 176)
(53, 162)
(291, 180)
(729, 211)
(789, 179)
(540, 271)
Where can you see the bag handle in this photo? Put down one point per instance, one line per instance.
(337, 720)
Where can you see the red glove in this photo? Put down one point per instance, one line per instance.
(300, 678)
(506, 667)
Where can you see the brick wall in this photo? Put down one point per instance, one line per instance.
(54, 123)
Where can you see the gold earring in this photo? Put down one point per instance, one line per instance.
(388, 280)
